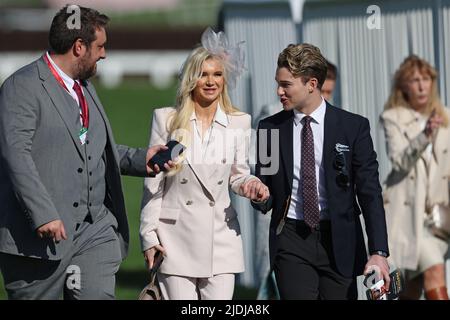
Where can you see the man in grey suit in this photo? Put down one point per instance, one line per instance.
(63, 225)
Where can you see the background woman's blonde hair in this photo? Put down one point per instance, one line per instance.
(398, 96)
(178, 124)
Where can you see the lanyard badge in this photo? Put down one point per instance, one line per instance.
(81, 98)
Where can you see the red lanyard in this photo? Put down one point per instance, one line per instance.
(55, 73)
(83, 102)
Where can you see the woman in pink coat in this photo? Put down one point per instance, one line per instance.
(416, 126)
(186, 213)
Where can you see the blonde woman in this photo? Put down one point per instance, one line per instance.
(418, 145)
(186, 213)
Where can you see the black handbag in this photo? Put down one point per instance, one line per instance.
(152, 291)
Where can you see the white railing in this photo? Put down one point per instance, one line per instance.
(160, 66)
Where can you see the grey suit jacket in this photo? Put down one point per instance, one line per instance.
(40, 152)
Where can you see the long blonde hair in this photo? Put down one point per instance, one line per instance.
(398, 96)
(178, 124)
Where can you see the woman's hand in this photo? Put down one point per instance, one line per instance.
(255, 190)
(149, 255)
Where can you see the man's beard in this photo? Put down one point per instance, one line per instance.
(85, 71)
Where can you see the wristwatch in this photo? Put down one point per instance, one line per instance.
(380, 253)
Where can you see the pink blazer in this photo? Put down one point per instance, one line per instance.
(190, 213)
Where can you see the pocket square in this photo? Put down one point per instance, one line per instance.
(341, 148)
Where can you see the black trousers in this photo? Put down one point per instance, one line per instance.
(304, 264)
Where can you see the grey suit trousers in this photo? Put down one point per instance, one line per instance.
(87, 272)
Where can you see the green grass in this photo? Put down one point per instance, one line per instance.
(129, 108)
(187, 13)
(2, 289)
(21, 3)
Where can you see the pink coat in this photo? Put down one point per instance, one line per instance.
(190, 213)
(406, 188)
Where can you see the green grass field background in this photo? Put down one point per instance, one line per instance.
(129, 108)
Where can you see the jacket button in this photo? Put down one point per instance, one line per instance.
(220, 182)
(411, 177)
(89, 157)
(445, 151)
(75, 204)
(183, 181)
(224, 160)
(189, 202)
(80, 170)
(406, 203)
(90, 173)
(212, 203)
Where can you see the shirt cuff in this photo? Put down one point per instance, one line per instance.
(380, 253)
(259, 202)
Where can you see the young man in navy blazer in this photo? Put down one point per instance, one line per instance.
(322, 175)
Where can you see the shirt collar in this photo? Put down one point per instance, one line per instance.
(220, 117)
(67, 80)
(318, 115)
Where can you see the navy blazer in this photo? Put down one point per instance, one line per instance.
(351, 181)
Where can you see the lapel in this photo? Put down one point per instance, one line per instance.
(89, 90)
(410, 122)
(285, 142)
(56, 93)
(331, 130)
(217, 156)
(201, 174)
(200, 169)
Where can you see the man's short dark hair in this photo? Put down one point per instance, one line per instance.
(331, 71)
(61, 37)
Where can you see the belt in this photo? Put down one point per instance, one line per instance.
(324, 225)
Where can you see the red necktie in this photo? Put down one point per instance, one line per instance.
(310, 198)
(83, 105)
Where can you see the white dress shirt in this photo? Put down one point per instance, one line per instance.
(201, 143)
(68, 81)
(317, 126)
